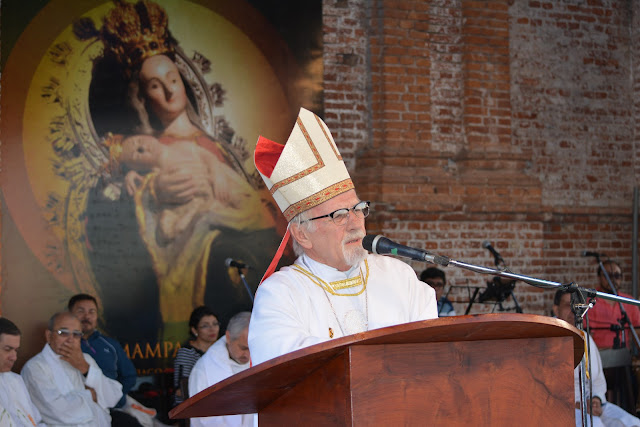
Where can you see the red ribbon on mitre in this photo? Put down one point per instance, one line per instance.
(266, 157)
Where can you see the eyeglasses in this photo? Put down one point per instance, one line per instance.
(65, 333)
(340, 216)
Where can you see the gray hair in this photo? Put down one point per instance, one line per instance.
(300, 220)
(238, 323)
(52, 319)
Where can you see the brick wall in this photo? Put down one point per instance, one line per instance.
(507, 121)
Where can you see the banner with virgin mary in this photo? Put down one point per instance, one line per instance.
(128, 129)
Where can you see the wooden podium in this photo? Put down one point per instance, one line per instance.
(489, 370)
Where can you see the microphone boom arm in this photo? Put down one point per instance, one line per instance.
(541, 283)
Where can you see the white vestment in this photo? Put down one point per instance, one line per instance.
(612, 415)
(58, 391)
(214, 366)
(14, 397)
(309, 303)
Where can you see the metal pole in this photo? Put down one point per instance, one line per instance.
(540, 283)
(634, 245)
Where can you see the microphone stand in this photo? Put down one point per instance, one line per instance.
(246, 285)
(533, 281)
(579, 307)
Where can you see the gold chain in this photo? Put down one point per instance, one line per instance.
(339, 284)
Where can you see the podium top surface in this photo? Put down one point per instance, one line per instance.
(249, 391)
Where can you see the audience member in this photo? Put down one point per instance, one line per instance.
(606, 314)
(437, 279)
(203, 330)
(228, 356)
(67, 385)
(16, 407)
(335, 288)
(107, 352)
(605, 412)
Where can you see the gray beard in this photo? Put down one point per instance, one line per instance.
(355, 256)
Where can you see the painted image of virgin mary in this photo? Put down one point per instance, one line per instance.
(174, 201)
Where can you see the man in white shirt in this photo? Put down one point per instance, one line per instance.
(605, 413)
(228, 356)
(14, 398)
(66, 384)
(334, 288)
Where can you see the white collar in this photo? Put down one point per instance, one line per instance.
(325, 271)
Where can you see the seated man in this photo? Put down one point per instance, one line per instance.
(107, 353)
(605, 316)
(436, 278)
(66, 385)
(605, 412)
(14, 398)
(228, 356)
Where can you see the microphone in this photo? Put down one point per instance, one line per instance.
(381, 245)
(595, 254)
(491, 249)
(230, 262)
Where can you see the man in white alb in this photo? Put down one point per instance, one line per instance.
(334, 288)
(16, 407)
(228, 356)
(65, 384)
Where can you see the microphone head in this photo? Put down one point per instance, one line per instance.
(367, 242)
(486, 244)
(228, 261)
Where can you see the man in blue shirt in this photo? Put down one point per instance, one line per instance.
(106, 351)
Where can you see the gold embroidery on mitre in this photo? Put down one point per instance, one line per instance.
(319, 162)
(330, 333)
(334, 287)
(333, 147)
(320, 197)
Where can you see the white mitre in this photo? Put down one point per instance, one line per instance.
(307, 170)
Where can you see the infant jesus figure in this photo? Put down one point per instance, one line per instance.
(226, 198)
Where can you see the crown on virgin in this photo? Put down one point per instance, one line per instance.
(131, 32)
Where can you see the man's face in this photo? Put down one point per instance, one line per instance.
(239, 348)
(337, 246)
(563, 310)
(9, 345)
(70, 332)
(87, 313)
(615, 274)
(437, 284)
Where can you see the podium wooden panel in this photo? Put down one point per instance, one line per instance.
(497, 369)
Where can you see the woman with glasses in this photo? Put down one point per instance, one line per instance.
(204, 329)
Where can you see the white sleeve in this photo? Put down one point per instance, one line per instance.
(55, 407)
(33, 411)
(277, 326)
(599, 383)
(108, 391)
(425, 305)
(197, 378)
